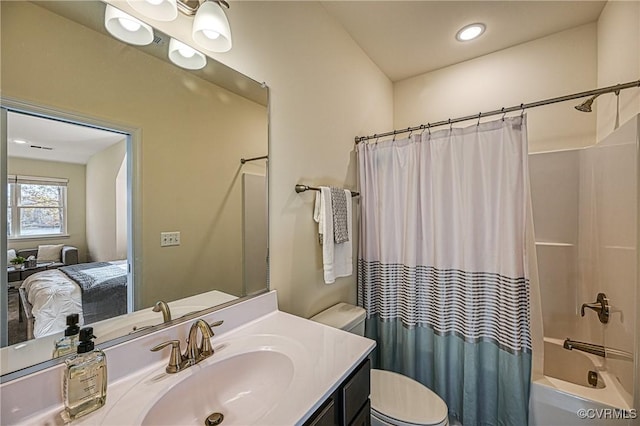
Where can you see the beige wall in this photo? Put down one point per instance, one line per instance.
(189, 161)
(75, 200)
(324, 92)
(556, 65)
(618, 62)
(102, 204)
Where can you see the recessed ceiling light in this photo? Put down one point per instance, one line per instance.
(470, 32)
(19, 141)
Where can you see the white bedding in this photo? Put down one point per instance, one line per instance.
(53, 296)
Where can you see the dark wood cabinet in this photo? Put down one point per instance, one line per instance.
(325, 415)
(349, 405)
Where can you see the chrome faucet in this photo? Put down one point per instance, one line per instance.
(161, 306)
(601, 306)
(195, 352)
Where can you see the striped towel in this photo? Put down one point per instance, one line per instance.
(339, 210)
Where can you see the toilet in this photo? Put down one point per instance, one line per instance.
(395, 399)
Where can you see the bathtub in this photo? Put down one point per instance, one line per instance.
(564, 397)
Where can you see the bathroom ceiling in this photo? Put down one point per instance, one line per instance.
(55, 140)
(408, 38)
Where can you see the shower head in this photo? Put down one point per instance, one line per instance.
(586, 105)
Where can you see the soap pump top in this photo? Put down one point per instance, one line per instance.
(67, 344)
(86, 343)
(72, 325)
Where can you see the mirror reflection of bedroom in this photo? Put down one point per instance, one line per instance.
(67, 225)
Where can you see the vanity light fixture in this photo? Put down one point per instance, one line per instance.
(160, 10)
(470, 32)
(185, 56)
(126, 28)
(19, 141)
(210, 29)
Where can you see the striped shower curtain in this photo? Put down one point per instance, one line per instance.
(442, 265)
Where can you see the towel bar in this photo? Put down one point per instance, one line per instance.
(303, 188)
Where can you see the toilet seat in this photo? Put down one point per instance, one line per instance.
(399, 400)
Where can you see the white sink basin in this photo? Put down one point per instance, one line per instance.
(243, 388)
(247, 380)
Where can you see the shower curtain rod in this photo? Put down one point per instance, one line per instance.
(611, 89)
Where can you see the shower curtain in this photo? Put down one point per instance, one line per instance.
(442, 267)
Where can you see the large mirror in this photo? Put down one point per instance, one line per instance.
(129, 188)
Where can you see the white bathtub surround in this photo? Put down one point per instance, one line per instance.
(444, 271)
(321, 358)
(586, 218)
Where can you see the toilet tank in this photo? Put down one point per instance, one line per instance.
(343, 316)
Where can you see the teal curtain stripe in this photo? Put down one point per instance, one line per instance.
(481, 383)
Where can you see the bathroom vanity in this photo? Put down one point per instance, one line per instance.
(268, 367)
(349, 404)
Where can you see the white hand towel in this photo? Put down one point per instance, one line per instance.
(337, 259)
(318, 215)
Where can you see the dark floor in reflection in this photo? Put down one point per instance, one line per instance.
(17, 330)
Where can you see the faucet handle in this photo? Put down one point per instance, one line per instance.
(600, 306)
(207, 333)
(205, 346)
(175, 359)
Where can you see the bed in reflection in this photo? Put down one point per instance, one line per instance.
(96, 291)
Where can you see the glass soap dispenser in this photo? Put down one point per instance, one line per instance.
(68, 344)
(85, 378)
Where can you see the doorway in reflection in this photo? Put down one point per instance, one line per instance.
(68, 228)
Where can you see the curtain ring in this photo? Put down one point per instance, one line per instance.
(423, 127)
(429, 128)
(450, 125)
(410, 132)
(522, 112)
(394, 136)
(375, 135)
(503, 113)
(478, 123)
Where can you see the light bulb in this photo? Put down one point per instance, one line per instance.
(210, 34)
(160, 10)
(129, 25)
(126, 28)
(186, 51)
(185, 56)
(19, 141)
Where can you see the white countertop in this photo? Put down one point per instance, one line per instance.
(322, 358)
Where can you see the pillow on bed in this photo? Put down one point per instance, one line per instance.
(11, 254)
(50, 253)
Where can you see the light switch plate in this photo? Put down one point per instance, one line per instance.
(169, 239)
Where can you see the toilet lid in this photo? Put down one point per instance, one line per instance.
(402, 399)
